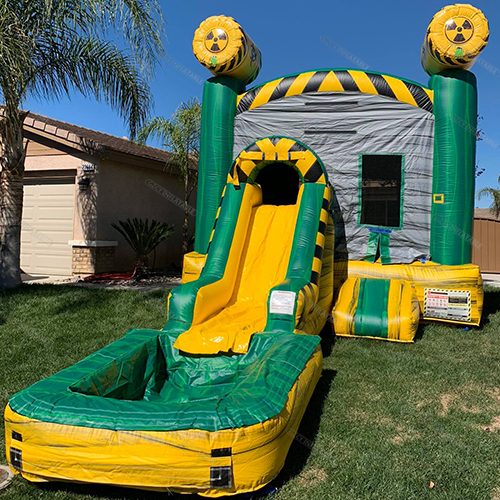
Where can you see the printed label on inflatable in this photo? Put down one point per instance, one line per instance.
(282, 302)
(447, 304)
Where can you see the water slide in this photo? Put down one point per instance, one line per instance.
(211, 403)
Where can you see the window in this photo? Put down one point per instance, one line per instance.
(381, 182)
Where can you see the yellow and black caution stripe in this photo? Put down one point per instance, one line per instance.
(337, 81)
(447, 60)
(320, 237)
(276, 148)
(311, 291)
(216, 218)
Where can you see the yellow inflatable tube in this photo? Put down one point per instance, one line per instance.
(460, 287)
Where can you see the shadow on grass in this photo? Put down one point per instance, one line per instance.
(70, 298)
(491, 305)
(109, 492)
(79, 298)
(327, 339)
(419, 334)
(300, 450)
(9, 298)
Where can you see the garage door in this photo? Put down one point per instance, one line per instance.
(47, 227)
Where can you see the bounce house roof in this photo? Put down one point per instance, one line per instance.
(337, 80)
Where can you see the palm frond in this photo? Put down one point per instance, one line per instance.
(155, 128)
(48, 47)
(495, 195)
(142, 235)
(180, 134)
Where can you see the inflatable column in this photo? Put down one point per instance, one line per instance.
(221, 45)
(455, 37)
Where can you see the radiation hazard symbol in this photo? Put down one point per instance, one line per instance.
(216, 40)
(459, 30)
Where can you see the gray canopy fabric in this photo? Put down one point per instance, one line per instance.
(339, 128)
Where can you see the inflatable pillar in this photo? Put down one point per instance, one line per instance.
(454, 39)
(453, 185)
(216, 151)
(221, 46)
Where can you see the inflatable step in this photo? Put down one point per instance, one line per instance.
(377, 309)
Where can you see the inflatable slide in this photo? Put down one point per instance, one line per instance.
(340, 194)
(212, 403)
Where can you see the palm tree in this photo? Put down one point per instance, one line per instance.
(143, 237)
(48, 48)
(495, 195)
(181, 136)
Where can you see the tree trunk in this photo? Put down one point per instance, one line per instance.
(185, 226)
(141, 266)
(11, 196)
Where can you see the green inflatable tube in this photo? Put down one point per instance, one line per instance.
(216, 151)
(455, 110)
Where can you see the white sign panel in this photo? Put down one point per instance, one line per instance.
(453, 305)
(282, 302)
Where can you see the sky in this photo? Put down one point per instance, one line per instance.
(386, 35)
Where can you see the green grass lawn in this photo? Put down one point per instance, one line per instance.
(385, 420)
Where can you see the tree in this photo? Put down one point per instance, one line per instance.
(478, 171)
(181, 136)
(143, 237)
(495, 195)
(48, 48)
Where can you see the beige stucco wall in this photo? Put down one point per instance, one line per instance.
(127, 191)
(52, 162)
(119, 190)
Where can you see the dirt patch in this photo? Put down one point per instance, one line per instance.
(495, 393)
(155, 280)
(373, 419)
(385, 421)
(495, 494)
(359, 415)
(446, 401)
(494, 426)
(472, 409)
(402, 437)
(312, 477)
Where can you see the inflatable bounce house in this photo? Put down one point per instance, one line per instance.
(334, 193)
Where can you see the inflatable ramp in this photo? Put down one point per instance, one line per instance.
(212, 403)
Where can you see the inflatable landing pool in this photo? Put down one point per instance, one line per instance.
(212, 403)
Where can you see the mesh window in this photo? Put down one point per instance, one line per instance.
(381, 177)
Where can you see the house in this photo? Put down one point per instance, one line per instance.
(79, 181)
(486, 244)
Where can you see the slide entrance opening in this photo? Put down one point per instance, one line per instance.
(280, 184)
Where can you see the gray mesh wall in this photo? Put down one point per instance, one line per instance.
(339, 127)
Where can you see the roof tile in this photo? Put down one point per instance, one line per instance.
(92, 138)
